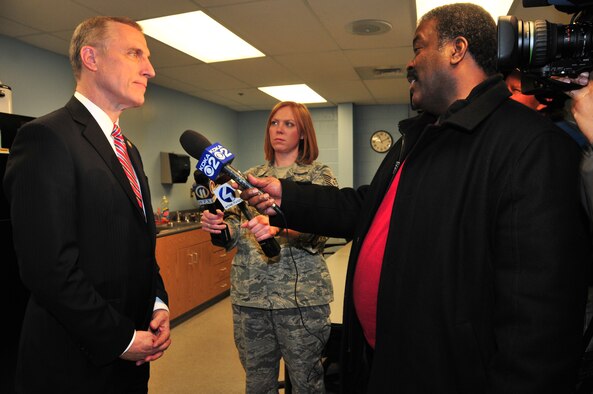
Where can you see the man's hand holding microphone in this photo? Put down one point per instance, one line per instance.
(266, 193)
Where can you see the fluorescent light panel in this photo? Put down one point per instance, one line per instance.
(200, 36)
(495, 8)
(298, 93)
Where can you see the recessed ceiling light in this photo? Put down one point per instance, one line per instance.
(200, 36)
(298, 93)
(368, 27)
(495, 8)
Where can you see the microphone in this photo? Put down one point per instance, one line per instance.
(206, 200)
(214, 158)
(226, 198)
(205, 197)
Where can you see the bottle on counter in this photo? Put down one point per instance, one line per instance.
(164, 209)
(157, 216)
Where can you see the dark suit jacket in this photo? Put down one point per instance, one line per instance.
(85, 251)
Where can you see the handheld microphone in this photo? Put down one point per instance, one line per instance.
(206, 200)
(214, 158)
(205, 197)
(226, 197)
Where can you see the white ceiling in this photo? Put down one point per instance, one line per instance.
(305, 41)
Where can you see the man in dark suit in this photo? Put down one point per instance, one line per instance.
(85, 239)
(466, 272)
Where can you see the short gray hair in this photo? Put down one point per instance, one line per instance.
(93, 31)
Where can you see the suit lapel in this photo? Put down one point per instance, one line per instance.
(95, 136)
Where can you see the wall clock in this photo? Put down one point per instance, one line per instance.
(381, 141)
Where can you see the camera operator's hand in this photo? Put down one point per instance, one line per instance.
(582, 79)
(582, 110)
(582, 104)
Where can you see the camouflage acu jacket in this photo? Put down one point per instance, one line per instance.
(269, 283)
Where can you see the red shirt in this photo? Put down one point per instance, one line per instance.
(368, 267)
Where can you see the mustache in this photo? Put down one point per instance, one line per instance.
(411, 74)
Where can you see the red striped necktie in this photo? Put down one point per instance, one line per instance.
(122, 154)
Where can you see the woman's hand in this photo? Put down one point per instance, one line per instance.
(260, 227)
(213, 222)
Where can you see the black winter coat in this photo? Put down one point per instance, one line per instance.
(482, 285)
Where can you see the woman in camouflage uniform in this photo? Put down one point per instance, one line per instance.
(280, 304)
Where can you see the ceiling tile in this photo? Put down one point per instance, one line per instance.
(320, 65)
(342, 91)
(45, 15)
(379, 57)
(139, 10)
(389, 91)
(275, 26)
(203, 76)
(263, 71)
(162, 55)
(249, 97)
(335, 15)
(14, 29)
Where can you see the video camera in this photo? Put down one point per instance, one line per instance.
(541, 49)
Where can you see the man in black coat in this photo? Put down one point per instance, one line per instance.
(469, 245)
(84, 231)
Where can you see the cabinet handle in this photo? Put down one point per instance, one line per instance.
(193, 258)
(223, 269)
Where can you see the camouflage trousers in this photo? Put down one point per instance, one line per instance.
(264, 336)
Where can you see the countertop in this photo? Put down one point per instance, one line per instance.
(176, 228)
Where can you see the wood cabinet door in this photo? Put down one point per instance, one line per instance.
(191, 276)
(194, 270)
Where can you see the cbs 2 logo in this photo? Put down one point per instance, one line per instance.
(220, 152)
(209, 165)
(212, 160)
